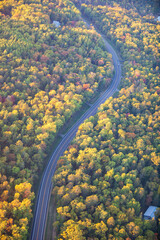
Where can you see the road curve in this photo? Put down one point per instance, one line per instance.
(39, 221)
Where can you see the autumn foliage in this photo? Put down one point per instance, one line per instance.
(111, 170)
(46, 74)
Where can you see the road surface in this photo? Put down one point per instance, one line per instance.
(40, 216)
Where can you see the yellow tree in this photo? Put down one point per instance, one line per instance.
(73, 231)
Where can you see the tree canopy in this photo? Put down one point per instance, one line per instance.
(113, 162)
(46, 74)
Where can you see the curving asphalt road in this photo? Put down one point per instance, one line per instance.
(39, 221)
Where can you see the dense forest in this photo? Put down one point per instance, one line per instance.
(46, 74)
(110, 173)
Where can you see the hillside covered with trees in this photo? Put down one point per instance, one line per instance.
(46, 74)
(110, 173)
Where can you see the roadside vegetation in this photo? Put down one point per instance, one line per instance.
(110, 173)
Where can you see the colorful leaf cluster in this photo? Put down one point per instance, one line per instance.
(15, 208)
